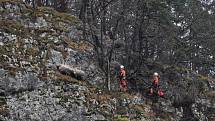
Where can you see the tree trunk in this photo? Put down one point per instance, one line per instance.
(104, 17)
(39, 3)
(63, 6)
(55, 4)
(82, 16)
(33, 4)
(188, 114)
(28, 1)
(47, 2)
(108, 75)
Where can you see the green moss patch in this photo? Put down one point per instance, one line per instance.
(121, 118)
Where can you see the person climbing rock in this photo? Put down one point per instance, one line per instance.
(154, 87)
(122, 77)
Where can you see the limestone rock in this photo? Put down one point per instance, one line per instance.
(71, 71)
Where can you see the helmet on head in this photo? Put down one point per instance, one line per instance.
(155, 74)
(121, 66)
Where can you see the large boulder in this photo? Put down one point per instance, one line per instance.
(71, 71)
(22, 81)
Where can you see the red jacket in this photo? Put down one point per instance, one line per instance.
(122, 74)
(156, 80)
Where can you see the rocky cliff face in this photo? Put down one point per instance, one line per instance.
(33, 42)
(40, 52)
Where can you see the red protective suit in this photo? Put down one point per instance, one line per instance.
(123, 83)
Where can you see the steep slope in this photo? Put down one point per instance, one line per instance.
(33, 42)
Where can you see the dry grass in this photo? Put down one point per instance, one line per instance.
(10, 1)
(32, 51)
(104, 98)
(13, 27)
(62, 77)
(210, 94)
(56, 16)
(121, 118)
(140, 108)
(4, 110)
(66, 78)
(81, 46)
